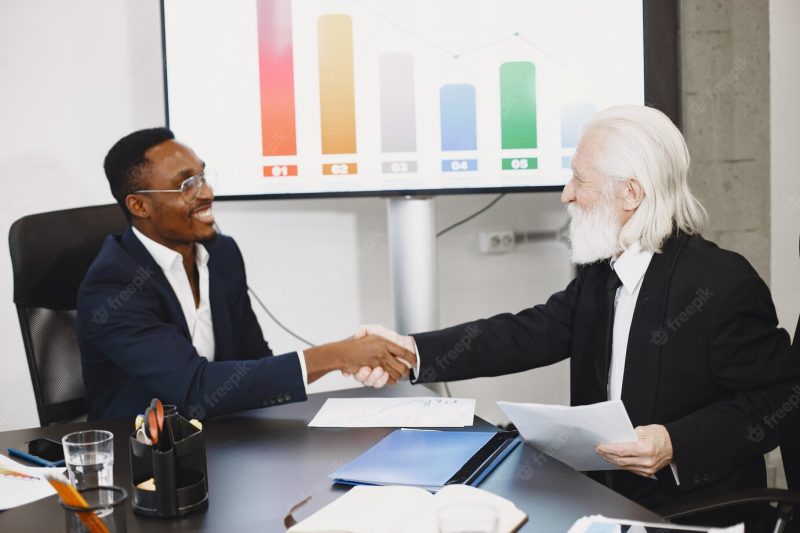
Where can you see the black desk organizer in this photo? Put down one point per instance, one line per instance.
(180, 474)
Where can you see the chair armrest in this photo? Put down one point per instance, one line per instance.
(786, 500)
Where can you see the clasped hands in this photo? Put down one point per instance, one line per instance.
(378, 376)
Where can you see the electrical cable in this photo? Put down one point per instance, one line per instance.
(269, 313)
(439, 234)
(275, 319)
(473, 215)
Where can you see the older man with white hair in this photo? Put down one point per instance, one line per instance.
(683, 332)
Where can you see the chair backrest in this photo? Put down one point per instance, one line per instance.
(50, 254)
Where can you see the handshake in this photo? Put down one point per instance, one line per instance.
(378, 376)
(374, 356)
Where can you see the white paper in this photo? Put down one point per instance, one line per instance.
(395, 412)
(570, 434)
(583, 525)
(15, 492)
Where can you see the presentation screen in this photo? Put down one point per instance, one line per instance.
(393, 97)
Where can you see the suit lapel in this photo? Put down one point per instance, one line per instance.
(136, 249)
(223, 328)
(644, 350)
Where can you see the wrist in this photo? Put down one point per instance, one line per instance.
(322, 359)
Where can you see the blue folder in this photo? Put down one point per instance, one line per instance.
(428, 459)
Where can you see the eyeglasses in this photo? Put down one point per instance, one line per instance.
(190, 187)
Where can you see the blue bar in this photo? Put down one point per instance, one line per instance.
(573, 116)
(458, 116)
(459, 165)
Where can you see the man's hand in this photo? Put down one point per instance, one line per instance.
(351, 355)
(375, 377)
(646, 456)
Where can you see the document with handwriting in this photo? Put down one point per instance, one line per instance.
(395, 412)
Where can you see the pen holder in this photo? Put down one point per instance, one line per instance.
(178, 470)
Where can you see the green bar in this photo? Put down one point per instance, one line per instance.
(520, 163)
(518, 104)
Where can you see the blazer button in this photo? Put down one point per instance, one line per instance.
(287, 396)
(273, 401)
(697, 479)
(706, 477)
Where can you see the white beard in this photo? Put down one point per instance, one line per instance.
(593, 234)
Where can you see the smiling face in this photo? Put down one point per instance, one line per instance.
(166, 217)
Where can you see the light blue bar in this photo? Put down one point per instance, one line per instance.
(458, 117)
(573, 116)
(566, 161)
(459, 165)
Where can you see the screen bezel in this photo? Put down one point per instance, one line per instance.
(662, 82)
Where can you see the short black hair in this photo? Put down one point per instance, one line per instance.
(125, 162)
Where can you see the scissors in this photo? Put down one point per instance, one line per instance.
(154, 421)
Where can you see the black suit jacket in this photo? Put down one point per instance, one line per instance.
(705, 358)
(135, 344)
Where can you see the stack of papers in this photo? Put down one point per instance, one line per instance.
(570, 434)
(395, 412)
(602, 524)
(22, 484)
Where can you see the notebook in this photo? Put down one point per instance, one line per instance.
(429, 459)
(403, 510)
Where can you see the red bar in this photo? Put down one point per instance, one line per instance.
(276, 68)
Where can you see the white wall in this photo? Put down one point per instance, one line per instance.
(784, 20)
(75, 76)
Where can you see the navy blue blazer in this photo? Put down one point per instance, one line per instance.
(135, 343)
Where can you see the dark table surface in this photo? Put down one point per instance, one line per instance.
(263, 462)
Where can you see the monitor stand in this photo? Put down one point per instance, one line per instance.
(414, 267)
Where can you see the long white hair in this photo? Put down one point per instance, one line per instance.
(641, 142)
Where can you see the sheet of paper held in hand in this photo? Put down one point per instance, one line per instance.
(570, 433)
(395, 412)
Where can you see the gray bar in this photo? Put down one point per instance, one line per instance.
(398, 117)
(399, 167)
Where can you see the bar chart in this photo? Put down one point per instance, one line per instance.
(372, 95)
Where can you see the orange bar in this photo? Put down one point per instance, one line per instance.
(339, 169)
(279, 171)
(336, 84)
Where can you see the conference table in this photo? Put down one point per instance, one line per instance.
(263, 462)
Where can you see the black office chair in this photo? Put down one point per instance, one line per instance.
(50, 254)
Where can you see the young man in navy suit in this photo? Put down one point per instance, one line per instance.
(164, 311)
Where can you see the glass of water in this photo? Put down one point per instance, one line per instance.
(90, 458)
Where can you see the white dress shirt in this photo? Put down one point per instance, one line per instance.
(630, 266)
(198, 318)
